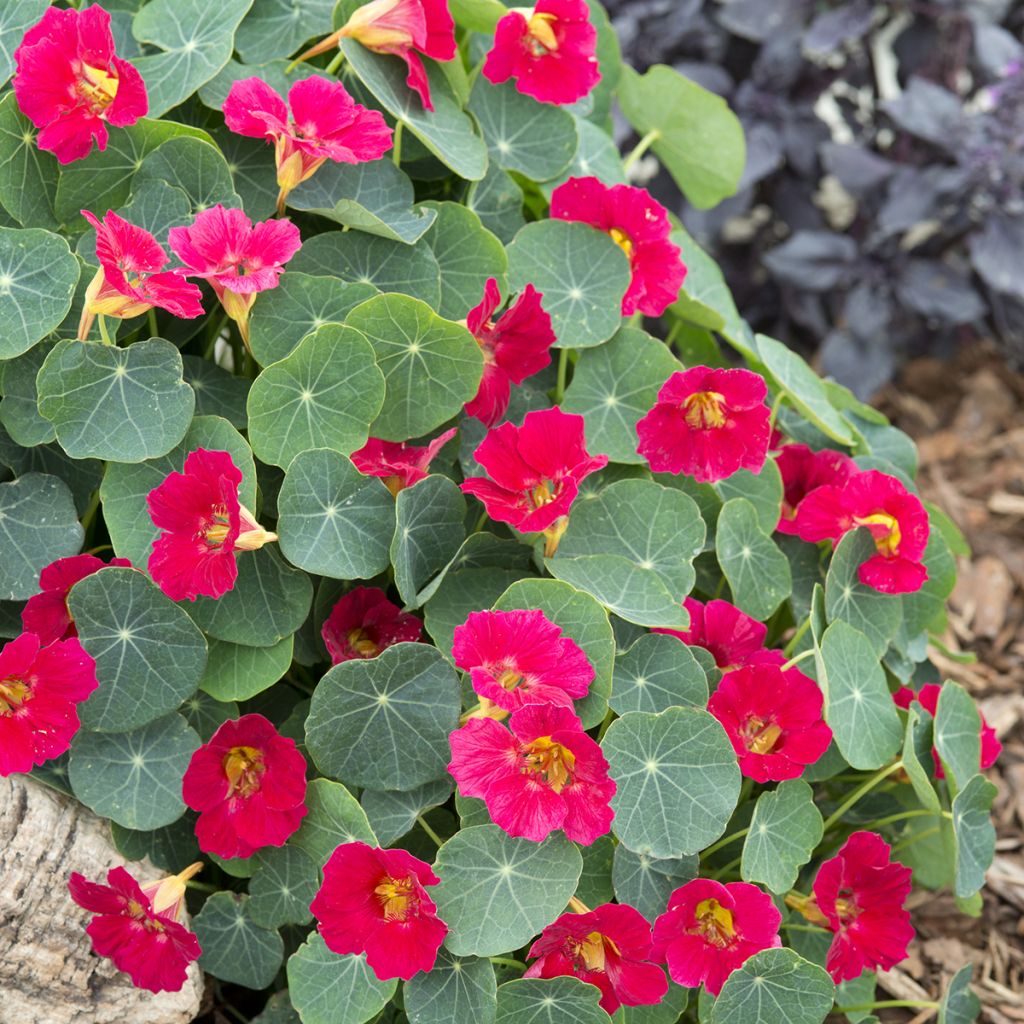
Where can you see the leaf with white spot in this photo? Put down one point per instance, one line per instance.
(194, 166)
(235, 947)
(498, 201)
(498, 891)
(785, 829)
(646, 883)
(28, 174)
(596, 156)
(275, 27)
(282, 886)
(656, 673)
(334, 818)
(772, 986)
(563, 1000)
(455, 989)
(134, 778)
(206, 715)
(757, 571)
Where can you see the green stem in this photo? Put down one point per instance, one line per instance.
(886, 1004)
(438, 841)
(731, 866)
(640, 148)
(797, 637)
(563, 369)
(803, 656)
(336, 61)
(505, 961)
(201, 886)
(858, 794)
(725, 841)
(396, 152)
(237, 1014)
(776, 405)
(90, 512)
(608, 719)
(104, 333)
(154, 331)
(903, 815)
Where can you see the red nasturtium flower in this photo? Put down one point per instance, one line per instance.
(202, 525)
(238, 258)
(609, 947)
(398, 463)
(731, 637)
(802, 471)
(550, 50)
(711, 929)
(859, 894)
(544, 774)
(375, 902)
(249, 786)
(928, 698)
(364, 622)
(639, 225)
(515, 346)
(896, 518)
(71, 84)
(535, 471)
(130, 280)
(707, 423)
(325, 124)
(773, 719)
(47, 614)
(521, 657)
(139, 927)
(40, 690)
(404, 28)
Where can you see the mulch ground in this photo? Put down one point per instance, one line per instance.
(967, 417)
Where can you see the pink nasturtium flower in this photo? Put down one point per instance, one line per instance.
(238, 258)
(520, 657)
(375, 902)
(325, 124)
(140, 927)
(711, 929)
(896, 518)
(544, 773)
(773, 719)
(535, 472)
(47, 614)
(639, 225)
(928, 698)
(730, 636)
(131, 279)
(40, 690)
(803, 470)
(364, 622)
(707, 423)
(608, 947)
(404, 28)
(515, 346)
(550, 50)
(202, 526)
(71, 84)
(398, 463)
(249, 785)
(859, 894)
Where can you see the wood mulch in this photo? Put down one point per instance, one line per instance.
(967, 417)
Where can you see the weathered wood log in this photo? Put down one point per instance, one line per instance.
(48, 972)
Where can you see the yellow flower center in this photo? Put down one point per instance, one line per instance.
(714, 923)
(760, 736)
(362, 644)
(591, 953)
(217, 531)
(97, 87)
(13, 693)
(544, 493)
(550, 760)
(397, 896)
(509, 678)
(243, 767)
(886, 531)
(622, 240)
(703, 410)
(542, 35)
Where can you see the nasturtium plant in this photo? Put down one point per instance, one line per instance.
(373, 540)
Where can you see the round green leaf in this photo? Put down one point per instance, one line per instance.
(236, 672)
(384, 722)
(282, 887)
(274, 27)
(28, 175)
(446, 130)
(334, 818)
(536, 139)
(775, 985)
(119, 404)
(677, 780)
(498, 891)
(580, 617)
(206, 715)
(332, 520)
(958, 733)
(19, 410)
(668, 1011)
(298, 305)
(763, 490)
(134, 778)
(81, 477)
(456, 989)
(38, 524)
(235, 947)
(431, 366)
(196, 167)
(785, 829)
(329, 989)
(757, 571)
(656, 673)
(614, 386)
(974, 833)
(581, 273)
(596, 156)
(550, 1001)
(498, 201)
(647, 883)
(324, 394)
(149, 655)
(392, 813)
(154, 205)
(269, 601)
(363, 259)
(38, 275)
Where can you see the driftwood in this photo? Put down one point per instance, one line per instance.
(48, 972)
